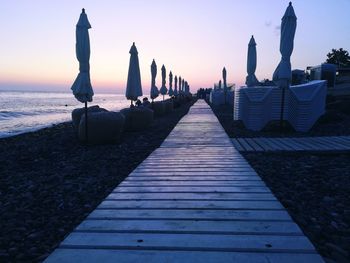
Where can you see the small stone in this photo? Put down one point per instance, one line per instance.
(327, 199)
(334, 225)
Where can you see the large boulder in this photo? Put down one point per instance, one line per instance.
(168, 106)
(77, 113)
(103, 127)
(137, 118)
(158, 108)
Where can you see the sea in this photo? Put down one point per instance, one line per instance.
(24, 111)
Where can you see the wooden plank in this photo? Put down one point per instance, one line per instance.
(190, 226)
(245, 145)
(288, 144)
(254, 144)
(237, 145)
(266, 146)
(191, 196)
(193, 178)
(195, 173)
(192, 183)
(197, 204)
(159, 256)
(280, 142)
(192, 189)
(197, 242)
(196, 214)
(330, 143)
(273, 144)
(322, 146)
(180, 214)
(337, 145)
(293, 142)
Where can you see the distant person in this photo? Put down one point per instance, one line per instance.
(138, 103)
(145, 102)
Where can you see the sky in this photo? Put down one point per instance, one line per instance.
(193, 38)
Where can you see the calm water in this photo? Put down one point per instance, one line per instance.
(29, 111)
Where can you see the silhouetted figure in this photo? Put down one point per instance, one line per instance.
(138, 103)
(146, 102)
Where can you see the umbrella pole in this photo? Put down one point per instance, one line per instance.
(282, 109)
(86, 123)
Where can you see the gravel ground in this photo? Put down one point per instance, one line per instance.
(49, 182)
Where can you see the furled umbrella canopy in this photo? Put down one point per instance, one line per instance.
(171, 92)
(219, 85)
(183, 85)
(187, 91)
(175, 87)
(224, 75)
(163, 90)
(251, 79)
(133, 86)
(283, 73)
(180, 83)
(82, 88)
(154, 90)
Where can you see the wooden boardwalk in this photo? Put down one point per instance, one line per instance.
(260, 144)
(194, 199)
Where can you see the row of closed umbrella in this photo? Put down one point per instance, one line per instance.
(82, 88)
(182, 88)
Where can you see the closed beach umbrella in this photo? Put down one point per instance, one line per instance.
(224, 75)
(133, 86)
(187, 91)
(283, 73)
(82, 88)
(154, 89)
(163, 90)
(180, 83)
(171, 92)
(251, 79)
(183, 85)
(175, 87)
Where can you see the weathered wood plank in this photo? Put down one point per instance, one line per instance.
(192, 183)
(161, 256)
(192, 189)
(191, 226)
(192, 196)
(254, 144)
(196, 204)
(193, 178)
(196, 214)
(201, 242)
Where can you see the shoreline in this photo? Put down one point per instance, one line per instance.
(50, 182)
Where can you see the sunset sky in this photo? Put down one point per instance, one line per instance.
(193, 38)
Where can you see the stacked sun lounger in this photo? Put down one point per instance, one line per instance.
(304, 104)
